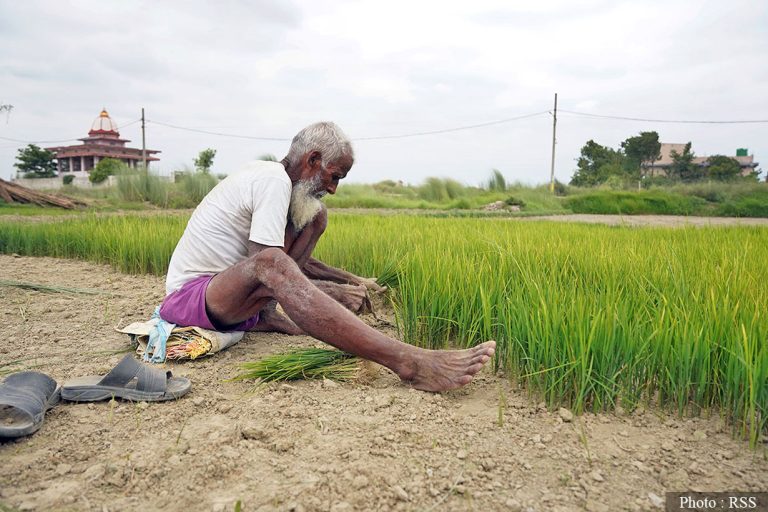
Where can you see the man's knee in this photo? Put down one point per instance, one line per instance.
(271, 265)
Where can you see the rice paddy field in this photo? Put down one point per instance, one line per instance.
(586, 316)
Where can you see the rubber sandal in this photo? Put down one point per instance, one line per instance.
(24, 399)
(129, 380)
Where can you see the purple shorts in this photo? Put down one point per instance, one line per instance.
(186, 307)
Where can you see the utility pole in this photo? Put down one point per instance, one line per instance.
(554, 134)
(143, 141)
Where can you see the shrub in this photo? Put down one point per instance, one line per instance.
(615, 182)
(461, 204)
(744, 207)
(68, 179)
(657, 181)
(385, 186)
(105, 168)
(635, 203)
(708, 193)
(514, 201)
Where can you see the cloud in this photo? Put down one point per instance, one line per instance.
(268, 68)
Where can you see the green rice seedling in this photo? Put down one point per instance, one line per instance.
(312, 363)
(131, 244)
(587, 316)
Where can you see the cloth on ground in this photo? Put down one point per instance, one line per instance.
(158, 340)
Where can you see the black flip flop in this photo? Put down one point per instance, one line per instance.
(24, 399)
(129, 380)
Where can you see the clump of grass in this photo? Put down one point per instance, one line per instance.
(195, 186)
(143, 186)
(496, 182)
(312, 363)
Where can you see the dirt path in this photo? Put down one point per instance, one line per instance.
(652, 220)
(372, 445)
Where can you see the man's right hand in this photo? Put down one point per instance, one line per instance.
(371, 284)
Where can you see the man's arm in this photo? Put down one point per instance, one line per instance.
(255, 248)
(316, 269)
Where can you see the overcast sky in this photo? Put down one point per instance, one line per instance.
(266, 68)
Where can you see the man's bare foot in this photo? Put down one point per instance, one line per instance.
(272, 320)
(441, 370)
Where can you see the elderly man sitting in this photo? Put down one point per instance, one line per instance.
(245, 247)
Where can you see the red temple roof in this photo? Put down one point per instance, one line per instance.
(103, 141)
(104, 125)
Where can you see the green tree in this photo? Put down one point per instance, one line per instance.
(106, 167)
(683, 168)
(36, 162)
(596, 164)
(641, 150)
(204, 160)
(723, 168)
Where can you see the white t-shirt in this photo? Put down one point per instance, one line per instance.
(251, 204)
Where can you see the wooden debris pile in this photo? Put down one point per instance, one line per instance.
(12, 193)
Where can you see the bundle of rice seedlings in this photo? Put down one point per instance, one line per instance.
(311, 363)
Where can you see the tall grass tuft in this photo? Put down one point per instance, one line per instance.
(196, 185)
(496, 182)
(143, 186)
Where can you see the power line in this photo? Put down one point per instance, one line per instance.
(378, 137)
(37, 141)
(412, 134)
(61, 140)
(459, 128)
(129, 124)
(623, 118)
(220, 134)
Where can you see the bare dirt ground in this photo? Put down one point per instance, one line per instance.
(369, 445)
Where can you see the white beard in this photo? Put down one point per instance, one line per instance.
(305, 202)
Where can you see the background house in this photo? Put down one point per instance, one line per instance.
(661, 166)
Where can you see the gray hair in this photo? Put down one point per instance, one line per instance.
(325, 137)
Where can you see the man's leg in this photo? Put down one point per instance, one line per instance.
(244, 289)
(299, 246)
